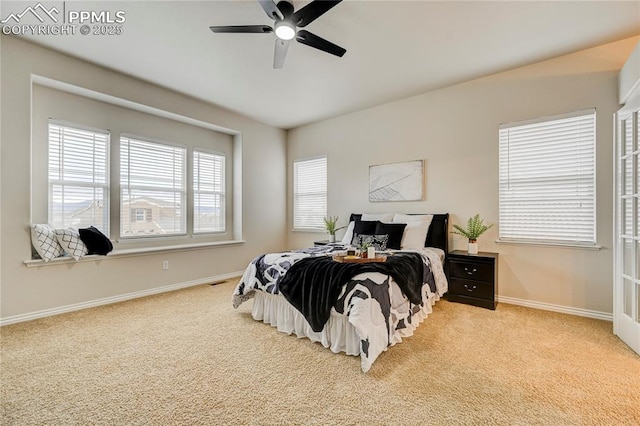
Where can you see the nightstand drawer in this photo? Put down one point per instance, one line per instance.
(471, 270)
(469, 288)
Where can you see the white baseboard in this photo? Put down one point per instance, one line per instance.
(128, 296)
(114, 299)
(607, 316)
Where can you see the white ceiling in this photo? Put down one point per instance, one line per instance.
(394, 49)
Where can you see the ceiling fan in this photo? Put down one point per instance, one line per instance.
(286, 27)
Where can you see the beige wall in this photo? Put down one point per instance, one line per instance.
(629, 78)
(455, 130)
(27, 290)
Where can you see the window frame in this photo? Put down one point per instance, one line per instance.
(106, 186)
(517, 237)
(184, 200)
(195, 192)
(141, 214)
(319, 226)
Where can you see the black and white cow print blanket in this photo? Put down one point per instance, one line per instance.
(313, 284)
(376, 305)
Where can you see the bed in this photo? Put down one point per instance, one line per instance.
(358, 309)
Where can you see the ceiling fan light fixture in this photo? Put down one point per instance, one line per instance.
(289, 25)
(285, 30)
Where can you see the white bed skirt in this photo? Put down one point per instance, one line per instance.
(338, 334)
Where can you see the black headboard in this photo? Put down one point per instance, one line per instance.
(438, 235)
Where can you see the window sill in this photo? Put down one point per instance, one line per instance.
(33, 263)
(549, 244)
(309, 230)
(176, 237)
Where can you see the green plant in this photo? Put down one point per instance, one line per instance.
(331, 223)
(364, 246)
(475, 228)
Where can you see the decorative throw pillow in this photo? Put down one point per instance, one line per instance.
(96, 241)
(379, 242)
(408, 218)
(395, 232)
(415, 234)
(45, 242)
(348, 234)
(71, 243)
(366, 227)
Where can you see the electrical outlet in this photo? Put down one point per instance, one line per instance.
(165, 264)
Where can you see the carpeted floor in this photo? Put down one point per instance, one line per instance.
(189, 358)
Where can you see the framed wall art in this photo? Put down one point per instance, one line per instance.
(396, 181)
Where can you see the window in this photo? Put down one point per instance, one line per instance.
(134, 182)
(141, 215)
(547, 180)
(208, 192)
(309, 193)
(152, 178)
(78, 177)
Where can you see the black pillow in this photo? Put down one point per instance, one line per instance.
(366, 227)
(394, 230)
(354, 217)
(379, 242)
(96, 241)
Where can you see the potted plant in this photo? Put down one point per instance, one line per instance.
(331, 224)
(364, 249)
(475, 228)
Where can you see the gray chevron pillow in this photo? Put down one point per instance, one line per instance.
(43, 238)
(71, 243)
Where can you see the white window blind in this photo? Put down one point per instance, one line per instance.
(78, 177)
(153, 177)
(309, 193)
(547, 180)
(208, 192)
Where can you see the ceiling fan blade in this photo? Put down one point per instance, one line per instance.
(280, 53)
(310, 39)
(241, 29)
(271, 10)
(312, 11)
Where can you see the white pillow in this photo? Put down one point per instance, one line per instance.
(382, 217)
(71, 243)
(45, 242)
(348, 234)
(415, 233)
(408, 218)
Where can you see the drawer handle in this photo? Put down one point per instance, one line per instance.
(470, 272)
(470, 288)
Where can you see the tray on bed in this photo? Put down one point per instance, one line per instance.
(354, 259)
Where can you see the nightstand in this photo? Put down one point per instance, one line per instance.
(473, 278)
(320, 243)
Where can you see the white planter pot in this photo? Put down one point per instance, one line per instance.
(332, 238)
(472, 248)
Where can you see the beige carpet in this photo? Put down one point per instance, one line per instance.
(187, 357)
